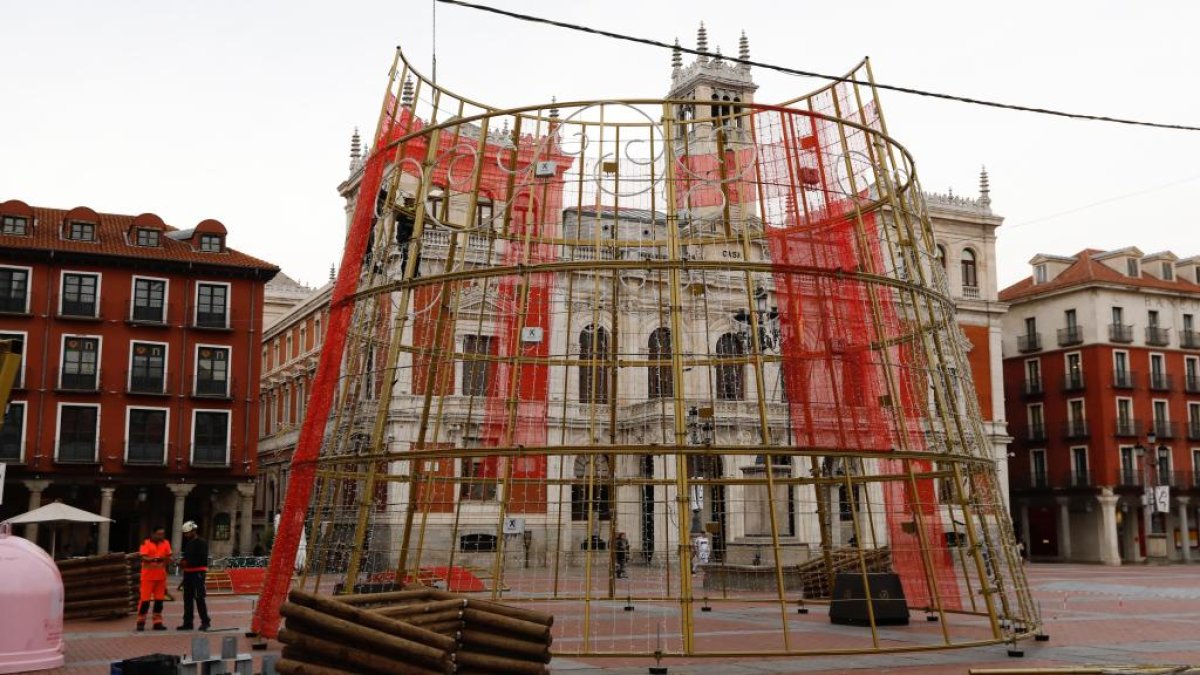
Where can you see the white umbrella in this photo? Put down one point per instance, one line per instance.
(57, 513)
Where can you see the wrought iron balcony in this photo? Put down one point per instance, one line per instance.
(211, 388)
(1074, 382)
(1033, 387)
(146, 453)
(1160, 382)
(1077, 479)
(1193, 428)
(1189, 339)
(1071, 335)
(1129, 477)
(77, 451)
(79, 309)
(1124, 379)
(149, 385)
(1129, 427)
(1164, 430)
(1036, 433)
(1191, 384)
(1030, 342)
(145, 314)
(1118, 332)
(210, 456)
(1074, 429)
(1158, 337)
(78, 381)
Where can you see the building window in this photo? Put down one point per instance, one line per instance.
(222, 527)
(212, 305)
(303, 339)
(1033, 376)
(14, 225)
(593, 371)
(147, 434)
(212, 371)
(317, 330)
(1162, 420)
(1037, 468)
(970, 271)
(1128, 466)
(301, 399)
(731, 381)
(1118, 316)
(660, 382)
(1168, 272)
(148, 368)
(210, 437)
(147, 237)
(12, 434)
(1193, 421)
(17, 346)
(80, 370)
(590, 493)
(14, 289)
(1074, 374)
(1164, 465)
(1079, 467)
(475, 372)
(82, 231)
(149, 300)
(291, 351)
(79, 294)
(1131, 268)
(77, 432)
(211, 243)
(479, 483)
(1039, 274)
(1125, 423)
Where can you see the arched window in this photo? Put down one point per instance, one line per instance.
(660, 383)
(731, 384)
(591, 490)
(593, 376)
(970, 273)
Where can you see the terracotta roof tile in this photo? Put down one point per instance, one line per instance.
(111, 239)
(1084, 271)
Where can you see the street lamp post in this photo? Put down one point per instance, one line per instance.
(1149, 489)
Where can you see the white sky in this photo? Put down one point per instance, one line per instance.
(242, 111)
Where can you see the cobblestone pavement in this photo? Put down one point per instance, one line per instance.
(1094, 615)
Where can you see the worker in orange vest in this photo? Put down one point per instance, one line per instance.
(156, 553)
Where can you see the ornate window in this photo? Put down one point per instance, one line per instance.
(660, 381)
(592, 490)
(970, 271)
(731, 377)
(593, 371)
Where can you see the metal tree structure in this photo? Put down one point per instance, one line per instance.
(655, 366)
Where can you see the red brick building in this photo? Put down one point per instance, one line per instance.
(138, 392)
(1102, 380)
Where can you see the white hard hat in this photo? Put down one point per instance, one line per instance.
(189, 526)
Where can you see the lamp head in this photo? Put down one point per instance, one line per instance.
(1151, 437)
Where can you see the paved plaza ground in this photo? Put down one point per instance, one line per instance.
(1094, 615)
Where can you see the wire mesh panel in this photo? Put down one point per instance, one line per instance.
(675, 371)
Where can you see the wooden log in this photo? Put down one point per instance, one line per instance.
(117, 568)
(476, 618)
(91, 604)
(94, 593)
(369, 619)
(434, 617)
(74, 563)
(408, 611)
(365, 638)
(470, 659)
(389, 596)
(499, 608)
(450, 628)
(350, 655)
(290, 667)
(491, 642)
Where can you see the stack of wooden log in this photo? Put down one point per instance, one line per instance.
(421, 631)
(816, 580)
(100, 586)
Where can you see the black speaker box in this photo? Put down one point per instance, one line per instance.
(151, 664)
(848, 606)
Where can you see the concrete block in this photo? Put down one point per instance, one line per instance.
(229, 647)
(201, 649)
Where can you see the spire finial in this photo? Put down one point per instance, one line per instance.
(702, 42)
(553, 107)
(676, 57)
(355, 149)
(332, 272)
(985, 190)
(406, 96)
(744, 49)
(717, 58)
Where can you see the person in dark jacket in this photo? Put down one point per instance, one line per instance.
(622, 554)
(195, 568)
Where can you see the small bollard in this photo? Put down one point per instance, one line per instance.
(229, 647)
(201, 650)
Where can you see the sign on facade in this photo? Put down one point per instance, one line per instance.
(514, 525)
(1162, 499)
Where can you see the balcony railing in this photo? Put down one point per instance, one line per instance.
(1129, 427)
(1074, 382)
(1033, 387)
(213, 388)
(212, 320)
(75, 309)
(146, 314)
(1189, 339)
(1191, 384)
(1075, 429)
(1030, 342)
(1160, 382)
(1158, 337)
(1071, 335)
(1127, 477)
(76, 451)
(1037, 433)
(971, 292)
(1165, 430)
(212, 456)
(1193, 430)
(13, 305)
(1039, 480)
(1118, 332)
(1124, 379)
(149, 385)
(79, 382)
(1077, 478)
(146, 453)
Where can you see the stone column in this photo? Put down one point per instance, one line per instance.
(1109, 554)
(36, 488)
(180, 490)
(1024, 515)
(106, 499)
(1064, 528)
(246, 490)
(1183, 528)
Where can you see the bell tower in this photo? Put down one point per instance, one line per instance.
(717, 86)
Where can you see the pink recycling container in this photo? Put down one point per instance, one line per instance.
(31, 607)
